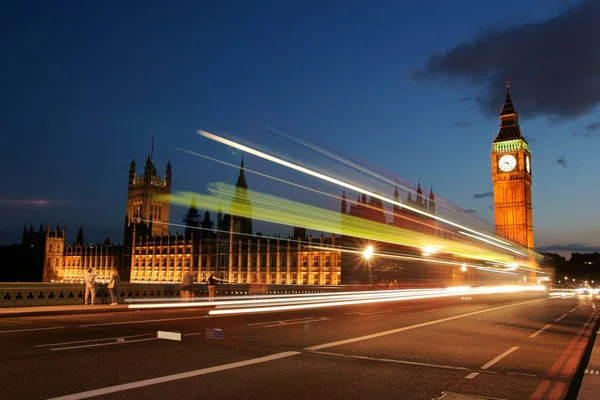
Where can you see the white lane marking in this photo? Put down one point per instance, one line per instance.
(91, 340)
(319, 319)
(559, 318)
(174, 377)
(34, 329)
(146, 321)
(169, 335)
(415, 363)
(540, 331)
(103, 344)
(280, 321)
(369, 312)
(289, 322)
(500, 357)
(406, 328)
(492, 362)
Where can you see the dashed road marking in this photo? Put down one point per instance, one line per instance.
(561, 317)
(421, 325)
(103, 344)
(540, 331)
(369, 312)
(270, 324)
(492, 362)
(91, 340)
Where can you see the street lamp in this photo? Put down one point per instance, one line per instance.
(368, 252)
(463, 268)
(368, 255)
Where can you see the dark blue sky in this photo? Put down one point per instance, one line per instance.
(410, 86)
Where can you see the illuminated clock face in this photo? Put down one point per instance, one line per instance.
(507, 163)
(528, 164)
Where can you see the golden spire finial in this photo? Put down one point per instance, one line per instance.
(507, 84)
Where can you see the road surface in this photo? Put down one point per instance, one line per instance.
(491, 346)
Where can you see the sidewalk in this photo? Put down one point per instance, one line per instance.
(590, 386)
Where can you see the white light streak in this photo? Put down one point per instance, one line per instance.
(333, 180)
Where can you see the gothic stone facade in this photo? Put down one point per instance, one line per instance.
(149, 254)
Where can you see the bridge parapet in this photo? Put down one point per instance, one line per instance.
(52, 294)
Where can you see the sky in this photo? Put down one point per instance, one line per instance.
(414, 88)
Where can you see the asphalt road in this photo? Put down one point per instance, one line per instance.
(494, 346)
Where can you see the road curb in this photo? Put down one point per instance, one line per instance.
(38, 313)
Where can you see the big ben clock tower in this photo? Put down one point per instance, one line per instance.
(511, 176)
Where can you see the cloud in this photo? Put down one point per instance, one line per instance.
(483, 195)
(574, 248)
(462, 123)
(465, 99)
(553, 65)
(591, 130)
(469, 211)
(562, 161)
(592, 127)
(32, 202)
(491, 207)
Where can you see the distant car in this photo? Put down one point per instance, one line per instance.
(583, 290)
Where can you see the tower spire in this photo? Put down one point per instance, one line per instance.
(152, 148)
(508, 108)
(509, 120)
(241, 182)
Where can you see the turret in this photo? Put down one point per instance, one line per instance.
(419, 194)
(431, 201)
(79, 241)
(396, 208)
(168, 173)
(344, 204)
(132, 172)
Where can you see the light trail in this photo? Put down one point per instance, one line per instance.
(324, 299)
(260, 174)
(335, 181)
(317, 298)
(374, 174)
(386, 255)
(447, 293)
(282, 211)
(489, 242)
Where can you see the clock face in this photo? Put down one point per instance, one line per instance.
(507, 163)
(528, 164)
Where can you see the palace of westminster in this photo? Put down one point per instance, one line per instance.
(230, 249)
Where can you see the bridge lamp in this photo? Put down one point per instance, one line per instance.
(368, 253)
(429, 250)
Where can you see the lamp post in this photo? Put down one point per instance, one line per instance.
(368, 255)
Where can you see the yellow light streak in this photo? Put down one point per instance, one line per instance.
(336, 181)
(282, 211)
